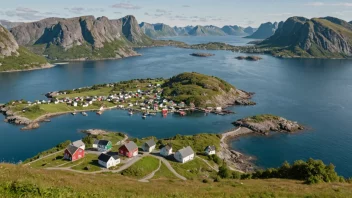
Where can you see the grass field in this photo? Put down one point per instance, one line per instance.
(142, 168)
(164, 173)
(52, 161)
(20, 181)
(89, 163)
(195, 169)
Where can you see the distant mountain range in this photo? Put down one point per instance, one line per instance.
(326, 37)
(8, 24)
(162, 30)
(265, 30)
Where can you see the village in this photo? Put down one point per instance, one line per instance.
(116, 153)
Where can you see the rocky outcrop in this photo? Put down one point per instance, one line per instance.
(249, 30)
(233, 97)
(183, 31)
(8, 44)
(318, 37)
(202, 54)
(157, 30)
(266, 123)
(265, 30)
(250, 58)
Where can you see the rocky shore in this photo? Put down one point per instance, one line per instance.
(250, 58)
(260, 124)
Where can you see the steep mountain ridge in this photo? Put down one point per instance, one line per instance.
(58, 38)
(209, 30)
(265, 30)
(157, 30)
(8, 44)
(318, 37)
(234, 30)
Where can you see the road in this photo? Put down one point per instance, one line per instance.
(168, 165)
(29, 163)
(151, 175)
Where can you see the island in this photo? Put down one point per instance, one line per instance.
(202, 54)
(250, 58)
(179, 94)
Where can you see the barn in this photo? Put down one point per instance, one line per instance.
(73, 153)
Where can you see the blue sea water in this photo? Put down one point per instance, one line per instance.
(314, 92)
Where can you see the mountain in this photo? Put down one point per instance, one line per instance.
(183, 31)
(265, 30)
(82, 37)
(249, 30)
(157, 30)
(318, 37)
(206, 31)
(8, 24)
(14, 57)
(234, 30)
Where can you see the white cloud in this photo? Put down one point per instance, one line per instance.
(126, 6)
(280, 14)
(345, 4)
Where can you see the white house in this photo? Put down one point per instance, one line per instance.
(74, 104)
(85, 105)
(184, 155)
(149, 146)
(209, 150)
(79, 144)
(166, 150)
(108, 161)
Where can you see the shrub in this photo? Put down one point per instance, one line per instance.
(217, 179)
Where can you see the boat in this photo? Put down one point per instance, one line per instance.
(73, 113)
(130, 112)
(99, 112)
(144, 116)
(84, 114)
(182, 113)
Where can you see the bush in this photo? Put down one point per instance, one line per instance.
(205, 181)
(217, 179)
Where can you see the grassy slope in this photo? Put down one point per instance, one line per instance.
(142, 168)
(26, 60)
(194, 87)
(22, 181)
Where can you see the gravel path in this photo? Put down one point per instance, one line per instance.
(214, 168)
(29, 163)
(151, 175)
(168, 165)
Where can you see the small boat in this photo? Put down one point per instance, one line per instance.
(73, 113)
(144, 116)
(84, 114)
(99, 112)
(130, 112)
(182, 113)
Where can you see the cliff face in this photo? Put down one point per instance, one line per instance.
(265, 30)
(157, 30)
(8, 44)
(183, 31)
(249, 30)
(8, 24)
(206, 31)
(318, 37)
(85, 34)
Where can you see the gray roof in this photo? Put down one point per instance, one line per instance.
(168, 147)
(186, 151)
(72, 149)
(131, 146)
(103, 142)
(211, 148)
(150, 143)
(96, 141)
(78, 143)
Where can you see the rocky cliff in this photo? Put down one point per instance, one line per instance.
(249, 30)
(8, 44)
(82, 37)
(318, 37)
(183, 31)
(265, 30)
(157, 30)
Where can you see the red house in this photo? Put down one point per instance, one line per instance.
(129, 149)
(73, 153)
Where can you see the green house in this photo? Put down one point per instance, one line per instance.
(102, 145)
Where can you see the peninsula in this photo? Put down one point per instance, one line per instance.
(202, 54)
(186, 91)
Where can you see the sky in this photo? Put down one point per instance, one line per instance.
(178, 12)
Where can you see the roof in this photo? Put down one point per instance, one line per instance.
(103, 142)
(186, 151)
(72, 149)
(104, 157)
(168, 147)
(96, 142)
(150, 143)
(78, 143)
(211, 148)
(131, 146)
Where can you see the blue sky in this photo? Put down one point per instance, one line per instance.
(180, 12)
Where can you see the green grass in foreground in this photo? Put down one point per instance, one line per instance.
(195, 169)
(52, 161)
(26, 60)
(21, 181)
(164, 173)
(142, 168)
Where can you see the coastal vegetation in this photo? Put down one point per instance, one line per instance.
(250, 58)
(142, 168)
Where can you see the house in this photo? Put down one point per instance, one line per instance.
(149, 146)
(73, 153)
(218, 109)
(108, 161)
(209, 150)
(79, 144)
(130, 149)
(184, 155)
(85, 105)
(74, 104)
(166, 150)
(102, 145)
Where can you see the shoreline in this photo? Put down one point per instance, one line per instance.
(236, 160)
(46, 66)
